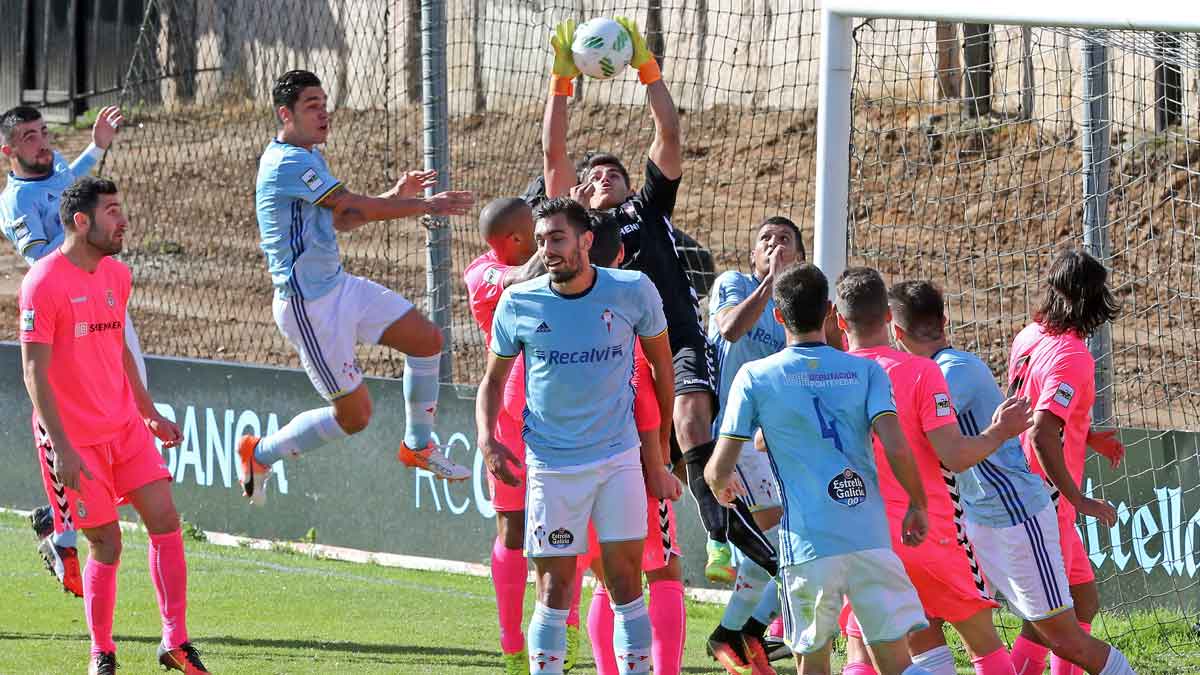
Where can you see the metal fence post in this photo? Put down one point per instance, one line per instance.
(437, 156)
(1096, 129)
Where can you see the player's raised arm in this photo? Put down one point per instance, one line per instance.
(108, 120)
(351, 211)
(959, 452)
(666, 150)
(556, 166)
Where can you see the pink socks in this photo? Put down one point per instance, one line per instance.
(1028, 657)
(668, 621)
(776, 628)
(99, 600)
(168, 571)
(600, 631)
(1060, 666)
(576, 593)
(859, 669)
(996, 663)
(509, 574)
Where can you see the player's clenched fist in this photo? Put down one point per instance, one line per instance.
(165, 430)
(561, 40)
(500, 462)
(452, 203)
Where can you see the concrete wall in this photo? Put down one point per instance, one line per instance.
(746, 53)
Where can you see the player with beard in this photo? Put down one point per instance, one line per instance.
(648, 237)
(95, 423)
(575, 329)
(29, 219)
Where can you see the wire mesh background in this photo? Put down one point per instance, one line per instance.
(978, 187)
(976, 195)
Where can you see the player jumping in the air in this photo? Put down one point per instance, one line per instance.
(648, 237)
(816, 407)
(942, 569)
(93, 419)
(1007, 509)
(506, 225)
(660, 556)
(1050, 365)
(29, 219)
(325, 312)
(575, 330)
(742, 328)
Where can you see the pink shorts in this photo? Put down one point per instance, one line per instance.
(118, 467)
(1075, 560)
(939, 570)
(509, 498)
(661, 542)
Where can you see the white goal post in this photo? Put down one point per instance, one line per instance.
(836, 63)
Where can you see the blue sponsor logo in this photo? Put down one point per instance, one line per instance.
(594, 355)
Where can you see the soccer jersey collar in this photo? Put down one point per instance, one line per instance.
(580, 294)
(13, 176)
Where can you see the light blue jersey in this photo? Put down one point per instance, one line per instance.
(578, 353)
(297, 234)
(29, 207)
(764, 338)
(815, 406)
(1000, 491)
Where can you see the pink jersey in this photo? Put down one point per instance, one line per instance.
(1057, 374)
(82, 317)
(645, 403)
(922, 404)
(483, 277)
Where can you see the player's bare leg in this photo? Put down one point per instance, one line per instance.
(1027, 659)
(891, 658)
(420, 340)
(1068, 640)
(816, 662)
(632, 636)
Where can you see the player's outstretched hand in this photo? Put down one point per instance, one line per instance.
(451, 203)
(561, 41)
(641, 53)
(914, 527)
(68, 466)
(105, 128)
(500, 462)
(1107, 443)
(1100, 510)
(663, 484)
(413, 183)
(1012, 417)
(165, 430)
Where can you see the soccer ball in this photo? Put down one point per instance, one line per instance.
(602, 48)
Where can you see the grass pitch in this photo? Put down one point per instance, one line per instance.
(277, 612)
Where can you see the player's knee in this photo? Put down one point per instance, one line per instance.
(104, 543)
(1087, 602)
(355, 419)
(1070, 645)
(163, 521)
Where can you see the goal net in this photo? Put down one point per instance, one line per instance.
(976, 153)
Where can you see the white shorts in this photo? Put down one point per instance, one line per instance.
(325, 331)
(1025, 564)
(754, 470)
(884, 600)
(559, 503)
